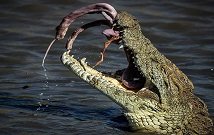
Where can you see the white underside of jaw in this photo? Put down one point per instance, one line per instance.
(81, 69)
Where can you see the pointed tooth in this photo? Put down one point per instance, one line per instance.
(84, 76)
(120, 41)
(81, 72)
(114, 24)
(121, 46)
(90, 77)
(143, 88)
(83, 60)
(136, 79)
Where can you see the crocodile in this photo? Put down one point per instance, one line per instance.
(155, 95)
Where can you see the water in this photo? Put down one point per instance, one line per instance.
(31, 103)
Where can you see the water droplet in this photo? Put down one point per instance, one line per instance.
(38, 109)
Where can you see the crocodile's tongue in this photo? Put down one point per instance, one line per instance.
(131, 77)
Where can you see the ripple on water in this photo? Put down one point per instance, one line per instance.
(30, 103)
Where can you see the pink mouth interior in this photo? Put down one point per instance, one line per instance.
(131, 77)
(132, 80)
(110, 32)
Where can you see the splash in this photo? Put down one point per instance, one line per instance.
(43, 61)
(41, 95)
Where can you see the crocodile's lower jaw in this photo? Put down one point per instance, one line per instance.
(139, 106)
(103, 80)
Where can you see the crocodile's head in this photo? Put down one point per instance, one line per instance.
(155, 95)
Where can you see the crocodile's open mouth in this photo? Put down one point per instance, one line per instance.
(129, 79)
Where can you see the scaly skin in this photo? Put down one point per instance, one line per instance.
(174, 109)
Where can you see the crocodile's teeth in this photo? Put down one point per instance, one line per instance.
(121, 47)
(83, 61)
(136, 79)
(114, 24)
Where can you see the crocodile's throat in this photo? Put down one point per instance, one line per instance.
(131, 77)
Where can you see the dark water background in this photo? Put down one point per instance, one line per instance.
(31, 104)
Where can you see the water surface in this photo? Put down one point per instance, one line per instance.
(30, 103)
